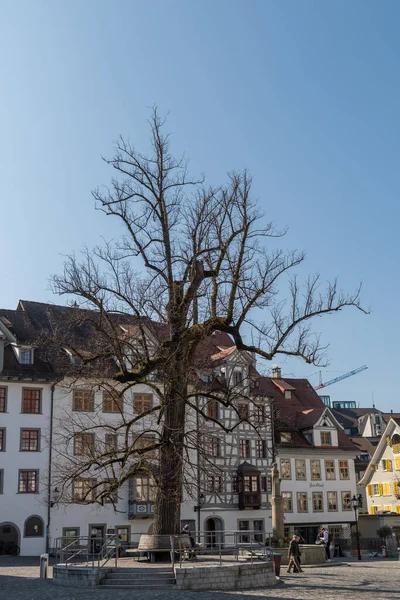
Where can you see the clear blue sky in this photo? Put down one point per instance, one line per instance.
(306, 94)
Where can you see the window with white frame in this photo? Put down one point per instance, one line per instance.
(286, 472)
(332, 501)
(302, 503)
(346, 501)
(318, 503)
(287, 502)
(344, 469)
(326, 438)
(316, 470)
(300, 466)
(330, 469)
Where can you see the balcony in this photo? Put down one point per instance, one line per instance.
(140, 509)
(249, 500)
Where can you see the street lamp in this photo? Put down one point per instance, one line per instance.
(200, 503)
(356, 505)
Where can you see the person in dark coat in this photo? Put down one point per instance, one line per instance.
(294, 555)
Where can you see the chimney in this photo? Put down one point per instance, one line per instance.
(276, 372)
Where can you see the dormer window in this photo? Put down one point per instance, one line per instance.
(286, 437)
(237, 377)
(326, 438)
(26, 356)
(288, 394)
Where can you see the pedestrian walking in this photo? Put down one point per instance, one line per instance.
(294, 555)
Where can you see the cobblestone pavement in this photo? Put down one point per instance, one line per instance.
(368, 580)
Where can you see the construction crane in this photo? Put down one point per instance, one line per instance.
(349, 374)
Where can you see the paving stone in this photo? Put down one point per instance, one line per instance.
(367, 580)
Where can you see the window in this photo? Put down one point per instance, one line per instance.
(346, 501)
(237, 377)
(330, 469)
(2, 440)
(26, 356)
(326, 438)
(387, 507)
(29, 441)
(214, 484)
(111, 442)
(28, 482)
(318, 505)
(286, 437)
(142, 403)
(287, 502)
(332, 501)
(34, 527)
(261, 449)
(386, 489)
(302, 502)
(244, 526)
(1, 480)
(300, 469)
(285, 469)
(316, 470)
(245, 448)
(243, 410)
(83, 490)
(387, 465)
(123, 533)
(259, 414)
(397, 463)
(376, 491)
(235, 484)
(31, 401)
(70, 534)
(344, 469)
(258, 525)
(212, 409)
(145, 441)
(250, 483)
(3, 399)
(83, 400)
(84, 444)
(144, 489)
(214, 447)
(112, 402)
(251, 526)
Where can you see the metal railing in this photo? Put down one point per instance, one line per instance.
(87, 551)
(218, 546)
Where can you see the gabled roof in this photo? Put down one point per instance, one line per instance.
(392, 427)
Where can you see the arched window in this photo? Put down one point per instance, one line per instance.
(395, 439)
(34, 527)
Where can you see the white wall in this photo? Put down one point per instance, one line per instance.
(323, 485)
(15, 508)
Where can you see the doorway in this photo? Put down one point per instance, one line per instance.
(96, 536)
(9, 534)
(214, 529)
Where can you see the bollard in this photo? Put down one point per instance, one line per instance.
(44, 563)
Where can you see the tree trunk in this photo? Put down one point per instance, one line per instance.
(170, 475)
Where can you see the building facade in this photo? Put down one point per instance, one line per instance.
(26, 385)
(382, 476)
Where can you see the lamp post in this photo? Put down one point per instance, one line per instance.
(356, 504)
(200, 503)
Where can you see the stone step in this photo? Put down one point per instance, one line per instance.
(142, 577)
(142, 571)
(112, 586)
(140, 580)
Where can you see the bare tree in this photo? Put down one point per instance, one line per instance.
(197, 259)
